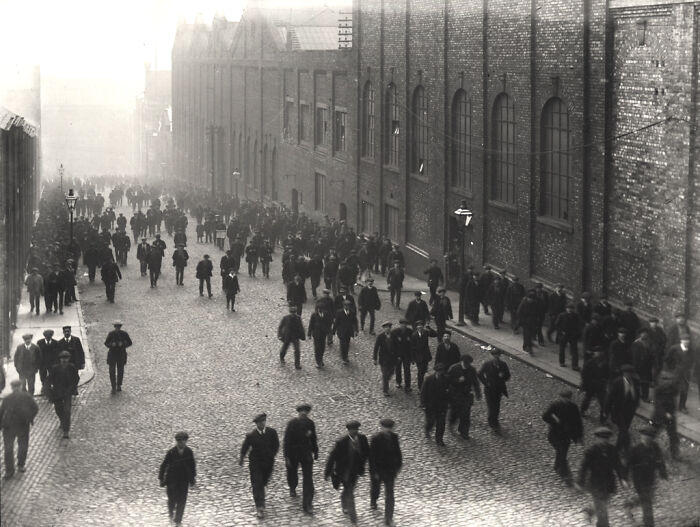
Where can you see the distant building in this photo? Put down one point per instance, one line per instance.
(153, 126)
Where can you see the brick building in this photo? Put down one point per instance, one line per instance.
(568, 126)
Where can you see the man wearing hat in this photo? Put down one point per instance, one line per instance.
(110, 275)
(496, 298)
(568, 325)
(644, 461)
(619, 353)
(584, 308)
(417, 309)
(594, 382)
(142, 252)
(385, 462)
(447, 351)
(556, 305)
(63, 382)
(629, 320)
(644, 361)
(622, 403)
(679, 360)
(319, 329)
(401, 344)
(435, 280)
(394, 281)
(177, 474)
(296, 293)
(301, 448)
(180, 258)
(231, 288)
(494, 374)
(74, 346)
(263, 444)
(48, 356)
(593, 337)
(542, 305)
(657, 338)
(528, 316)
(514, 295)
(665, 393)
(344, 296)
(35, 288)
(441, 312)
(117, 341)
(203, 274)
(291, 331)
(463, 381)
(600, 468)
(420, 349)
(345, 326)
(346, 463)
(155, 260)
(484, 283)
(565, 427)
(251, 258)
(386, 355)
(435, 397)
(330, 272)
(368, 302)
(17, 413)
(27, 359)
(680, 326)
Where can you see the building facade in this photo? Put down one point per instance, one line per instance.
(569, 127)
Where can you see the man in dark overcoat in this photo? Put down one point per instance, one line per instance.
(231, 288)
(291, 331)
(565, 427)
(435, 398)
(180, 258)
(17, 413)
(263, 444)
(296, 293)
(48, 356)
(644, 461)
(204, 273)
(319, 329)
(464, 386)
(417, 309)
(177, 474)
(63, 383)
(301, 448)
(494, 374)
(142, 252)
(385, 355)
(116, 342)
(368, 303)
(401, 337)
(385, 460)
(622, 403)
(110, 275)
(420, 349)
(26, 360)
(74, 346)
(155, 262)
(345, 327)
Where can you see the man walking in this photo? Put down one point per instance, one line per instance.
(142, 252)
(74, 347)
(385, 355)
(441, 312)
(63, 382)
(291, 331)
(435, 279)
(368, 302)
(263, 444)
(435, 397)
(565, 426)
(301, 448)
(231, 288)
(48, 357)
(394, 281)
(417, 309)
(385, 460)
(180, 258)
(401, 344)
(463, 381)
(17, 413)
(345, 326)
(177, 474)
(204, 273)
(346, 463)
(35, 288)
(319, 329)
(494, 374)
(110, 275)
(27, 359)
(296, 293)
(420, 349)
(644, 461)
(117, 341)
(621, 405)
(155, 262)
(568, 325)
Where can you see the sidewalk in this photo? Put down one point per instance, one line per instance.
(31, 323)
(545, 359)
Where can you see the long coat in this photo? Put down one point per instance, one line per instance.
(291, 328)
(620, 406)
(340, 465)
(345, 326)
(300, 441)
(63, 381)
(204, 269)
(494, 374)
(320, 325)
(564, 420)
(75, 347)
(48, 353)
(385, 352)
(420, 348)
(385, 454)
(601, 463)
(178, 470)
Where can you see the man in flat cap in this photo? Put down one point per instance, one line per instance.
(142, 252)
(17, 413)
(435, 397)
(385, 460)
(346, 463)
(600, 468)
(177, 474)
(117, 341)
(420, 349)
(301, 448)
(565, 427)
(658, 339)
(180, 258)
(584, 308)
(494, 374)
(110, 275)
(401, 343)
(679, 360)
(629, 320)
(263, 444)
(35, 288)
(74, 346)
(464, 385)
(556, 304)
(665, 394)
(441, 312)
(368, 302)
(644, 361)
(203, 274)
(594, 382)
(48, 349)
(345, 326)
(645, 460)
(417, 309)
(619, 353)
(319, 329)
(568, 325)
(435, 280)
(291, 331)
(394, 282)
(296, 293)
(622, 403)
(385, 354)
(447, 351)
(63, 383)
(27, 359)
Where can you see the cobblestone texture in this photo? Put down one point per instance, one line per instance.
(197, 367)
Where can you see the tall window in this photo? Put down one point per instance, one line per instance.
(556, 177)
(323, 129)
(503, 180)
(287, 130)
(304, 122)
(392, 127)
(339, 130)
(368, 120)
(320, 192)
(391, 222)
(461, 141)
(419, 132)
(367, 217)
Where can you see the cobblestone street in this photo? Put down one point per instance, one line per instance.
(195, 366)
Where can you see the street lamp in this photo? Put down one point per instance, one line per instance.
(60, 173)
(71, 198)
(463, 213)
(236, 176)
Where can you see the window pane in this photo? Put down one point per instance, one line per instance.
(555, 174)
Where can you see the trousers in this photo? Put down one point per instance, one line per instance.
(462, 412)
(201, 286)
(63, 410)
(116, 373)
(388, 478)
(387, 372)
(319, 348)
(259, 476)
(347, 497)
(179, 275)
(363, 317)
(34, 301)
(307, 477)
(435, 417)
(493, 404)
(177, 498)
(9, 435)
(297, 351)
(404, 364)
(28, 381)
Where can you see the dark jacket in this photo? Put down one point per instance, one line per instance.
(594, 337)
(300, 439)
(345, 326)
(385, 454)
(595, 374)
(263, 447)
(601, 463)
(48, 353)
(494, 374)
(231, 285)
(435, 393)
(117, 341)
(420, 348)
(110, 273)
(341, 464)
(556, 303)
(618, 354)
(568, 325)
(369, 299)
(447, 355)
(63, 381)
(320, 324)
(442, 310)
(434, 275)
(643, 462)
(514, 295)
(620, 406)
(385, 352)
(75, 347)
(564, 420)
(204, 269)
(463, 381)
(180, 258)
(178, 470)
(401, 341)
(18, 411)
(296, 293)
(142, 251)
(338, 302)
(291, 328)
(417, 310)
(394, 278)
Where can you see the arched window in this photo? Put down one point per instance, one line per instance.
(461, 140)
(392, 126)
(503, 175)
(555, 176)
(419, 132)
(368, 120)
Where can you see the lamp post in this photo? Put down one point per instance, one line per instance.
(462, 213)
(236, 177)
(71, 198)
(60, 173)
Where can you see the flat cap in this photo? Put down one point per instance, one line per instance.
(495, 351)
(420, 322)
(260, 417)
(602, 431)
(342, 288)
(447, 332)
(143, 239)
(66, 327)
(387, 323)
(585, 294)
(441, 289)
(326, 291)
(418, 293)
(654, 319)
(48, 332)
(352, 425)
(16, 382)
(679, 315)
(648, 431)
(64, 353)
(27, 336)
(117, 323)
(181, 435)
(370, 280)
(466, 358)
(439, 367)
(304, 407)
(570, 305)
(627, 367)
(622, 330)
(566, 394)
(403, 321)
(206, 256)
(387, 423)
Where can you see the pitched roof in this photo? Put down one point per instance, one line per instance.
(314, 38)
